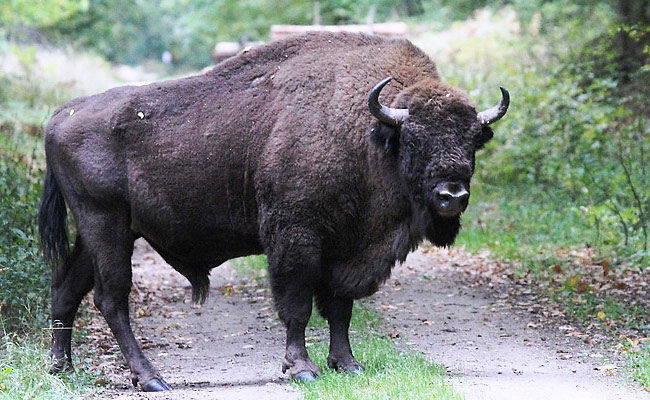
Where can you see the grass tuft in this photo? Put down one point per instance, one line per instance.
(639, 363)
(24, 366)
(390, 374)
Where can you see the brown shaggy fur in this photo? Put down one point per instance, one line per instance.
(272, 151)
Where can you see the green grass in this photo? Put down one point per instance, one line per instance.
(390, 372)
(24, 366)
(639, 362)
(24, 305)
(518, 224)
(588, 307)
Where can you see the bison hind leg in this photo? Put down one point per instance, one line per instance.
(69, 286)
(107, 234)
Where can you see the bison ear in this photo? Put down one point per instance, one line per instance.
(484, 137)
(386, 136)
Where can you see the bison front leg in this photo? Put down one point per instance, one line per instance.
(338, 312)
(293, 267)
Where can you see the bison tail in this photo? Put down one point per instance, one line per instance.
(52, 223)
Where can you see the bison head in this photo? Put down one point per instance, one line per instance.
(434, 133)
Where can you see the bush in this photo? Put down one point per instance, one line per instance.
(24, 279)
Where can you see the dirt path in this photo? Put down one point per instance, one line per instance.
(231, 347)
(492, 348)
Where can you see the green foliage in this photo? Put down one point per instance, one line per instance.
(41, 13)
(131, 31)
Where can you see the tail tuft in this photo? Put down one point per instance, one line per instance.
(52, 223)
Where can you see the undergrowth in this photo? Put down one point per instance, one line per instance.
(24, 279)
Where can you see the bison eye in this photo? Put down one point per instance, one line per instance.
(411, 145)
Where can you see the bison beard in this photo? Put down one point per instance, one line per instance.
(284, 150)
(443, 231)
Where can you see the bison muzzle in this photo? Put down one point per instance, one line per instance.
(284, 150)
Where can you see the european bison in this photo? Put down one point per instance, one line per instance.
(284, 150)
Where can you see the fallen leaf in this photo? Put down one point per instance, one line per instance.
(141, 313)
(574, 281)
(605, 265)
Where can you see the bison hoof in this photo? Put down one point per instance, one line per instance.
(352, 366)
(156, 385)
(355, 369)
(61, 367)
(304, 376)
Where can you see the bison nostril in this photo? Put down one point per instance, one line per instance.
(443, 196)
(463, 199)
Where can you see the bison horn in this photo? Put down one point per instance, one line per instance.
(391, 116)
(495, 113)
